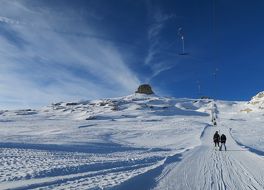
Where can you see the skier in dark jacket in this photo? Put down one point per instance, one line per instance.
(216, 139)
(223, 141)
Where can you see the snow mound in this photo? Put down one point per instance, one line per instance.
(255, 104)
(132, 106)
(258, 100)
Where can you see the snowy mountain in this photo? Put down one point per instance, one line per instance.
(135, 105)
(133, 142)
(256, 104)
(258, 100)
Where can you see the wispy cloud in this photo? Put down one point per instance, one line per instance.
(8, 20)
(158, 22)
(39, 65)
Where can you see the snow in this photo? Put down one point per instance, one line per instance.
(211, 169)
(132, 142)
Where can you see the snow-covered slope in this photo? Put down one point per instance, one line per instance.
(65, 123)
(132, 142)
(258, 99)
(256, 103)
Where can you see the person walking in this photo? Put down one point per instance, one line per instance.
(216, 139)
(223, 141)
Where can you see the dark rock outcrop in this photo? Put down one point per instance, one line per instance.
(145, 89)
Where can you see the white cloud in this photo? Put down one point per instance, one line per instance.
(8, 20)
(37, 53)
(154, 36)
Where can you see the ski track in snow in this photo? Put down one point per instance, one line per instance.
(151, 143)
(39, 169)
(24, 168)
(207, 168)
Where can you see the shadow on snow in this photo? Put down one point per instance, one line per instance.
(99, 148)
(147, 180)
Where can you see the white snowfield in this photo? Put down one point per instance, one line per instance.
(136, 142)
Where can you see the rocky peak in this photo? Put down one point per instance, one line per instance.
(145, 89)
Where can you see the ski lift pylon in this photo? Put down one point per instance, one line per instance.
(181, 35)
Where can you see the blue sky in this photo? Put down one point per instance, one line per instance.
(59, 50)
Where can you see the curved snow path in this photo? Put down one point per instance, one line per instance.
(206, 168)
(25, 169)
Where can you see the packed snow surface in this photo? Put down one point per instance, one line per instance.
(133, 142)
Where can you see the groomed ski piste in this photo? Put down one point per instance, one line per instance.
(133, 142)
